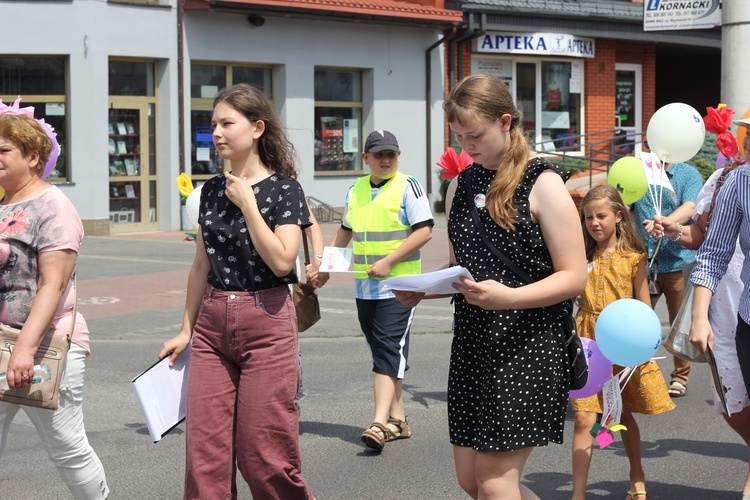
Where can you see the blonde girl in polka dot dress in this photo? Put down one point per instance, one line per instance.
(617, 270)
(507, 387)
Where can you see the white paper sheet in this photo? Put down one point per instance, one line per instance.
(336, 260)
(161, 391)
(438, 282)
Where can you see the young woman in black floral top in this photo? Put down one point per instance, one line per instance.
(239, 313)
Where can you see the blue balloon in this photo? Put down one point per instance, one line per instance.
(628, 332)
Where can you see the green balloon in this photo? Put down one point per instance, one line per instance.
(628, 177)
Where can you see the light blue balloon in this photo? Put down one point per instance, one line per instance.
(628, 332)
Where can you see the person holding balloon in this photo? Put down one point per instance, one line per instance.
(239, 315)
(617, 270)
(724, 302)
(675, 133)
(671, 257)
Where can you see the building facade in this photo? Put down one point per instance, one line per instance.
(128, 84)
(585, 68)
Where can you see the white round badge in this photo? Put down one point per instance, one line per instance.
(479, 200)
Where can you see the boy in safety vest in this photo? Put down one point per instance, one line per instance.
(388, 215)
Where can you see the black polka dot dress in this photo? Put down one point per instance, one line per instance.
(507, 386)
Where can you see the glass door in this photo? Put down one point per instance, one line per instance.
(132, 166)
(627, 107)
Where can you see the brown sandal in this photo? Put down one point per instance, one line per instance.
(376, 436)
(403, 429)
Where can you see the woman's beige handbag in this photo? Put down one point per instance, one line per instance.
(52, 352)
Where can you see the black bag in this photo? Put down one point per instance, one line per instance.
(579, 368)
(576, 358)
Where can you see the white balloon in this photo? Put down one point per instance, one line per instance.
(192, 205)
(676, 132)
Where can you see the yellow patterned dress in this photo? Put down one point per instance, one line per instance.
(611, 278)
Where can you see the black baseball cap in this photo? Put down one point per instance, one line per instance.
(381, 140)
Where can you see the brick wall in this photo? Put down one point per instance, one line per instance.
(599, 79)
(599, 74)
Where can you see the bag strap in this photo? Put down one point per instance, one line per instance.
(75, 308)
(480, 229)
(526, 277)
(307, 250)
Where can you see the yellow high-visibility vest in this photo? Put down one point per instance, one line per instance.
(376, 227)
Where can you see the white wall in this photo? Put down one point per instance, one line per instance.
(393, 60)
(89, 33)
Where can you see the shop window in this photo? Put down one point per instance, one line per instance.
(131, 78)
(40, 81)
(548, 95)
(338, 121)
(561, 107)
(206, 80)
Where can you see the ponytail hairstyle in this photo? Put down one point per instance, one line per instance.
(628, 238)
(481, 97)
(274, 148)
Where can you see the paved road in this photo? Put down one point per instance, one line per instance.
(132, 291)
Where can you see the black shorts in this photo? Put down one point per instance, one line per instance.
(386, 324)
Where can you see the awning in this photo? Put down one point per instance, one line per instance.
(385, 11)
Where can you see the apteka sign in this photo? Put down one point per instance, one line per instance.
(681, 14)
(548, 44)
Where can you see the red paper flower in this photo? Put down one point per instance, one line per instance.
(453, 164)
(718, 120)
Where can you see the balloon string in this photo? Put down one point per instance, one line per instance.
(661, 179)
(651, 192)
(650, 182)
(629, 375)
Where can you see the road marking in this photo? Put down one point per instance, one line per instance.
(133, 259)
(338, 311)
(422, 306)
(97, 301)
(353, 312)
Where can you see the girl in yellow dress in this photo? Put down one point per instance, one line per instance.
(617, 270)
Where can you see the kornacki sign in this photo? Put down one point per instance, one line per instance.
(547, 44)
(681, 14)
